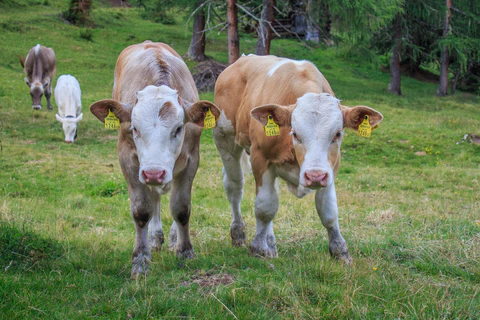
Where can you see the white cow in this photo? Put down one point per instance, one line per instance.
(68, 98)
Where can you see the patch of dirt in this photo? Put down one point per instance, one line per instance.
(209, 280)
(206, 73)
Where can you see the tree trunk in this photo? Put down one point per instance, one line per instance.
(196, 51)
(233, 42)
(265, 30)
(443, 83)
(455, 81)
(395, 85)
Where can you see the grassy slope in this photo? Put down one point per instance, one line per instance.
(411, 222)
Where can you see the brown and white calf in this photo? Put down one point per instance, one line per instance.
(40, 68)
(161, 120)
(306, 153)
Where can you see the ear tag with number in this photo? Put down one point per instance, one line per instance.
(364, 129)
(209, 121)
(111, 121)
(271, 128)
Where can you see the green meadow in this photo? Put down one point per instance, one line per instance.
(408, 197)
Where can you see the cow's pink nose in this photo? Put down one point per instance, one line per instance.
(154, 176)
(315, 178)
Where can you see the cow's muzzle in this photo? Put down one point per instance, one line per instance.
(36, 106)
(316, 179)
(153, 177)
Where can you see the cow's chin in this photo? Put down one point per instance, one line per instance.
(162, 187)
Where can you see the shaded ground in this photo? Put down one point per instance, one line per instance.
(120, 3)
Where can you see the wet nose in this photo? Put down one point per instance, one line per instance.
(153, 177)
(316, 178)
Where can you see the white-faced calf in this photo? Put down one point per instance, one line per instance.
(161, 120)
(292, 102)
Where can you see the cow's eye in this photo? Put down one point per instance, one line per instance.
(337, 136)
(177, 132)
(135, 131)
(295, 137)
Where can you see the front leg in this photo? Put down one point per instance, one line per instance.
(180, 208)
(155, 232)
(48, 95)
(266, 207)
(141, 208)
(327, 209)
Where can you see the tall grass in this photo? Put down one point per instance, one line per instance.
(66, 236)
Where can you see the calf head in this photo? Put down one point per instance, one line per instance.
(157, 122)
(37, 89)
(69, 126)
(317, 122)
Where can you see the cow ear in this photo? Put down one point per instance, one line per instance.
(79, 118)
(27, 82)
(282, 115)
(60, 119)
(46, 81)
(196, 112)
(22, 61)
(100, 110)
(353, 117)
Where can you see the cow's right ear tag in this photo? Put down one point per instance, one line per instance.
(111, 121)
(364, 129)
(271, 128)
(209, 120)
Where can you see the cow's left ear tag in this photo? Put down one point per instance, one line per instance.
(209, 121)
(111, 121)
(271, 128)
(365, 129)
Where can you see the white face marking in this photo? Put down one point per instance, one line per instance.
(157, 125)
(37, 49)
(317, 124)
(277, 65)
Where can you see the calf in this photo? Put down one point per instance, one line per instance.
(40, 68)
(296, 100)
(68, 99)
(161, 120)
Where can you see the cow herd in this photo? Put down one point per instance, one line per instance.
(281, 113)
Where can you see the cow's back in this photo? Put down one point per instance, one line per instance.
(40, 63)
(253, 81)
(68, 96)
(150, 63)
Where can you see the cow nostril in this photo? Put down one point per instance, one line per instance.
(153, 176)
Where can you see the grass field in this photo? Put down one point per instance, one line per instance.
(412, 222)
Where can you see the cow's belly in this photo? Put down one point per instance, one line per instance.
(291, 175)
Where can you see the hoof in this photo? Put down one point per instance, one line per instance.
(156, 240)
(339, 251)
(237, 233)
(140, 266)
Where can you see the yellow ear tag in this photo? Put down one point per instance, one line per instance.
(364, 129)
(209, 121)
(111, 121)
(271, 128)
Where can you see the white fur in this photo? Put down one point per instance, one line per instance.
(157, 146)
(316, 120)
(68, 99)
(277, 65)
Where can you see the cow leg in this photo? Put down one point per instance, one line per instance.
(233, 181)
(266, 207)
(141, 207)
(180, 207)
(327, 209)
(48, 95)
(155, 231)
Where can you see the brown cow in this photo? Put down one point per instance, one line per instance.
(40, 68)
(161, 120)
(293, 102)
